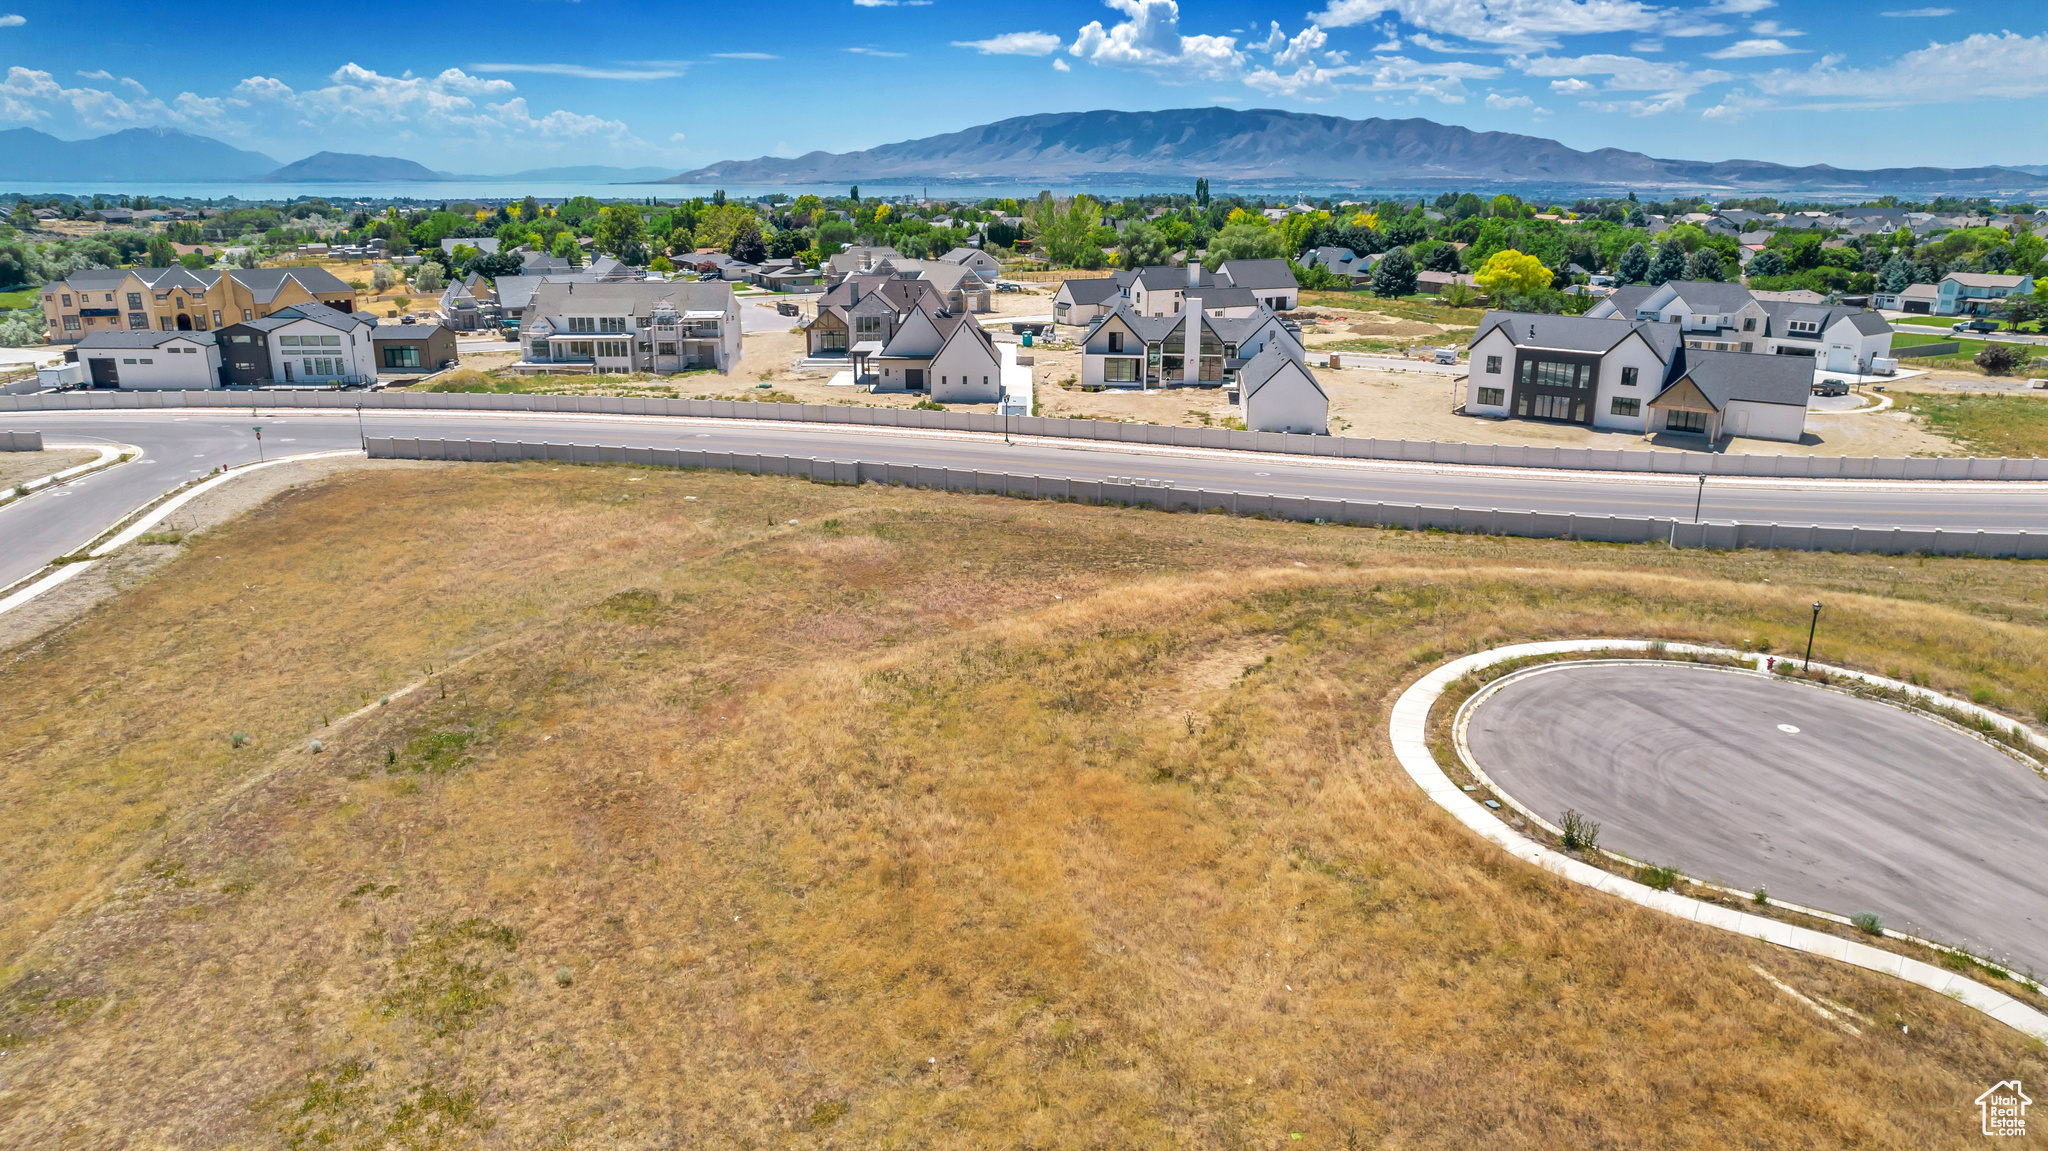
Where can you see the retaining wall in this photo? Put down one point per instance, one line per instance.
(1486, 521)
(21, 441)
(1344, 447)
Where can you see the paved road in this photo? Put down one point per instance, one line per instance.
(1862, 808)
(179, 445)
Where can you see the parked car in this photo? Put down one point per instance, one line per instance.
(1831, 388)
(1974, 326)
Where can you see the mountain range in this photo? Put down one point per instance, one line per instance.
(1264, 145)
(1253, 147)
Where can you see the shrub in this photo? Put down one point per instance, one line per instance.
(1999, 359)
(1868, 922)
(1761, 895)
(1576, 832)
(1661, 878)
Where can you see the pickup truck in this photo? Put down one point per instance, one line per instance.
(1831, 388)
(1974, 326)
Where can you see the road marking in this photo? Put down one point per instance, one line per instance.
(1788, 729)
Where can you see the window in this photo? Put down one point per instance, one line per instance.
(1685, 422)
(405, 357)
(1626, 407)
(71, 323)
(246, 316)
(613, 349)
(330, 341)
(1748, 347)
(611, 324)
(135, 299)
(1548, 374)
(867, 327)
(1493, 366)
(1628, 377)
(138, 320)
(1492, 397)
(1123, 371)
(581, 324)
(1749, 323)
(664, 349)
(129, 360)
(216, 317)
(67, 299)
(1116, 342)
(147, 360)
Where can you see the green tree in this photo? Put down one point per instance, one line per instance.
(1634, 266)
(1065, 233)
(1704, 264)
(161, 254)
(1142, 246)
(1509, 272)
(1394, 275)
(1202, 191)
(566, 248)
(429, 279)
(747, 247)
(618, 227)
(662, 264)
(1669, 264)
(1896, 276)
(1243, 241)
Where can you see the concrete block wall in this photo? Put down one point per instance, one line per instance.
(21, 441)
(1415, 517)
(1345, 447)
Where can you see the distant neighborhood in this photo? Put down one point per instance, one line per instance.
(1158, 291)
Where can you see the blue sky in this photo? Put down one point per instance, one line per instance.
(517, 84)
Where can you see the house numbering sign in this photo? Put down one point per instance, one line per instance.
(2003, 1109)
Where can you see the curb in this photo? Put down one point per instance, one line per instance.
(1409, 729)
(110, 455)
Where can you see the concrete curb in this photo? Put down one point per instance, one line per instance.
(110, 454)
(1409, 730)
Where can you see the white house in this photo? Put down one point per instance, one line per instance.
(945, 355)
(150, 361)
(983, 265)
(1080, 301)
(1836, 338)
(1977, 293)
(631, 326)
(1717, 317)
(1126, 350)
(1277, 393)
(1569, 369)
(1163, 291)
(1724, 394)
(303, 344)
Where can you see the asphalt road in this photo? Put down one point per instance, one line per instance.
(180, 445)
(1857, 807)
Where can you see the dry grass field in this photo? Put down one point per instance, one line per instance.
(923, 820)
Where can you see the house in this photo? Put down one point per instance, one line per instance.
(1718, 317)
(1163, 291)
(1272, 281)
(1434, 283)
(661, 327)
(1977, 293)
(1724, 394)
(179, 299)
(1920, 299)
(112, 216)
(1277, 393)
(977, 261)
(1342, 262)
(485, 245)
(866, 309)
(1570, 369)
(464, 301)
(149, 360)
(1080, 301)
(794, 278)
(412, 349)
(957, 284)
(514, 293)
(304, 344)
(1125, 348)
(946, 355)
(855, 261)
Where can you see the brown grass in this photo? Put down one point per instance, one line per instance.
(710, 830)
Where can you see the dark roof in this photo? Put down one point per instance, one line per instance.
(1268, 364)
(405, 331)
(1629, 297)
(1725, 376)
(266, 283)
(142, 339)
(1825, 316)
(1258, 274)
(1226, 297)
(1576, 333)
(1711, 295)
(1166, 279)
(1091, 291)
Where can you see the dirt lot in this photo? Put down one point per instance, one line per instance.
(15, 467)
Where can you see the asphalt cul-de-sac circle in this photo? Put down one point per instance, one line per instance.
(1833, 802)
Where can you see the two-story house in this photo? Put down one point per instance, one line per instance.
(631, 326)
(1977, 293)
(306, 344)
(1163, 291)
(1127, 349)
(180, 299)
(1718, 317)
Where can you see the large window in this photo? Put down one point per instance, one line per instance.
(1116, 342)
(1686, 422)
(1628, 377)
(1492, 397)
(1551, 374)
(1626, 407)
(1556, 408)
(403, 357)
(613, 349)
(1120, 371)
(1493, 365)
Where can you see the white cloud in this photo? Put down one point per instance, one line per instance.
(1502, 103)
(746, 56)
(1773, 28)
(1734, 106)
(1647, 44)
(1668, 102)
(1149, 38)
(1434, 44)
(1439, 80)
(583, 71)
(1748, 49)
(1014, 44)
(1061, 66)
(1741, 7)
(1911, 13)
(675, 137)
(1624, 73)
(1985, 66)
(1524, 24)
(12, 20)
(28, 96)
(1570, 87)
(875, 52)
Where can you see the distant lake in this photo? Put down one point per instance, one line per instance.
(479, 190)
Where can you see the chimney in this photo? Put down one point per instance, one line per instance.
(1194, 271)
(1191, 357)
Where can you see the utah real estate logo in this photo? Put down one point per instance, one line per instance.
(2004, 1109)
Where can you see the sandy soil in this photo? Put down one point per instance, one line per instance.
(139, 561)
(16, 467)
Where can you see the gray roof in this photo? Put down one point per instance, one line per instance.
(632, 297)
(1725, 376)
(1577, 333)
(1258, 274)
(405, 331)
(1153, 329)
(1825, 316)
(142, 339)
(1226, 297)
(1095, 290)
(266, 283)
(1711, 295)
(1627, 298)
(1268, 364)
(484, 244)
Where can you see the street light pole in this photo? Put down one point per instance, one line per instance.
(360, 433)
(1809, 636)
(1698, 499)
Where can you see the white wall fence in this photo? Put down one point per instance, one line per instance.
(1344, 447)
(21, 441)
(1415, 517)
